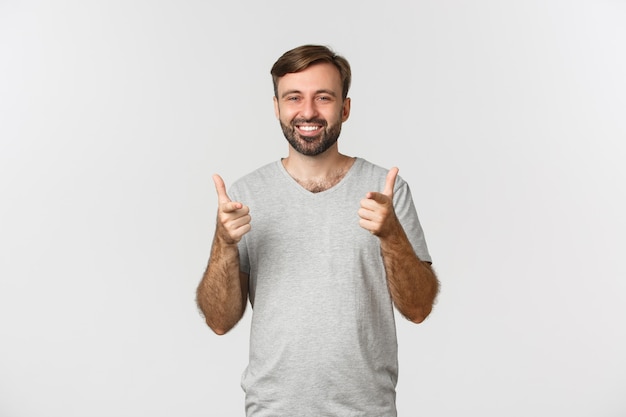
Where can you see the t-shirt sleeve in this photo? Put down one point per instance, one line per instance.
(407, 214)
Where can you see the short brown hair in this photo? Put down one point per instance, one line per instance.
(302, 57)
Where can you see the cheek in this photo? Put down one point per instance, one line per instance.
(286, 115)
(338, 117)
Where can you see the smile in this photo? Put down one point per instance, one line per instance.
(309, 128)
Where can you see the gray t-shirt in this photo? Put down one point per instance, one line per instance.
(323, 339)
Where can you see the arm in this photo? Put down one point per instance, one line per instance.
(412, 283)
(222, 294)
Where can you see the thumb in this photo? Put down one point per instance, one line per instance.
(390, 182)
(222, 197)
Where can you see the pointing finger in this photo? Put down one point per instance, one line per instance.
(377, 197)
(390, 182)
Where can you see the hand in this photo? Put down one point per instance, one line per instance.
(376, 213)
(233, 220)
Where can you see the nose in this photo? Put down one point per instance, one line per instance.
(309, 109)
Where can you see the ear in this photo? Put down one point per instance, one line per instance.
(276, 109)
(345, 111)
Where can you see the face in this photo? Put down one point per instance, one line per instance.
(310, 108)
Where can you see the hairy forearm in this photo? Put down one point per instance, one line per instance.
(412, 283)
(220, 295)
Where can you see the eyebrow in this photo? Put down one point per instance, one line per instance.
(322, 91)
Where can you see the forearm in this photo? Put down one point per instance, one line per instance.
(412, 283)
(221, 295)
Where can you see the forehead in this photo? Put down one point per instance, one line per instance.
(322, 76)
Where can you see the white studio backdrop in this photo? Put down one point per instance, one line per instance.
(507, 119)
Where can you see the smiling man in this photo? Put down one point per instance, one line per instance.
(310, 116)
(323, 245)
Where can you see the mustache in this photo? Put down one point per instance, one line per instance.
(320, 122)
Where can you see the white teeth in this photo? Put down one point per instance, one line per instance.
(309, 128)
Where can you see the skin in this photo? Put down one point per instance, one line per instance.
(223, 292)
(311, 111)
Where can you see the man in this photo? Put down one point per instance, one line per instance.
(323, 245)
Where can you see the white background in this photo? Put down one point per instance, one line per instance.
(507, 118)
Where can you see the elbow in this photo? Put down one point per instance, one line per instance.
(420, 312)
(419, 315)
(219, 330)
(219, 323)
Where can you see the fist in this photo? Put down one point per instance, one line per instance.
(376, 213)
(233, 218)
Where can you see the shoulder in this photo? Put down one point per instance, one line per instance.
(257, 180)
(266, 171)
(367, 170)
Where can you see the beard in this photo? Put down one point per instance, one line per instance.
(311, 145)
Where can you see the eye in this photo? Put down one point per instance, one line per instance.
(292, 98)
(324, 98)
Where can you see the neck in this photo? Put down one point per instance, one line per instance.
(318, 173)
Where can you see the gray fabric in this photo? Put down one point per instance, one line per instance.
(323, 338)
